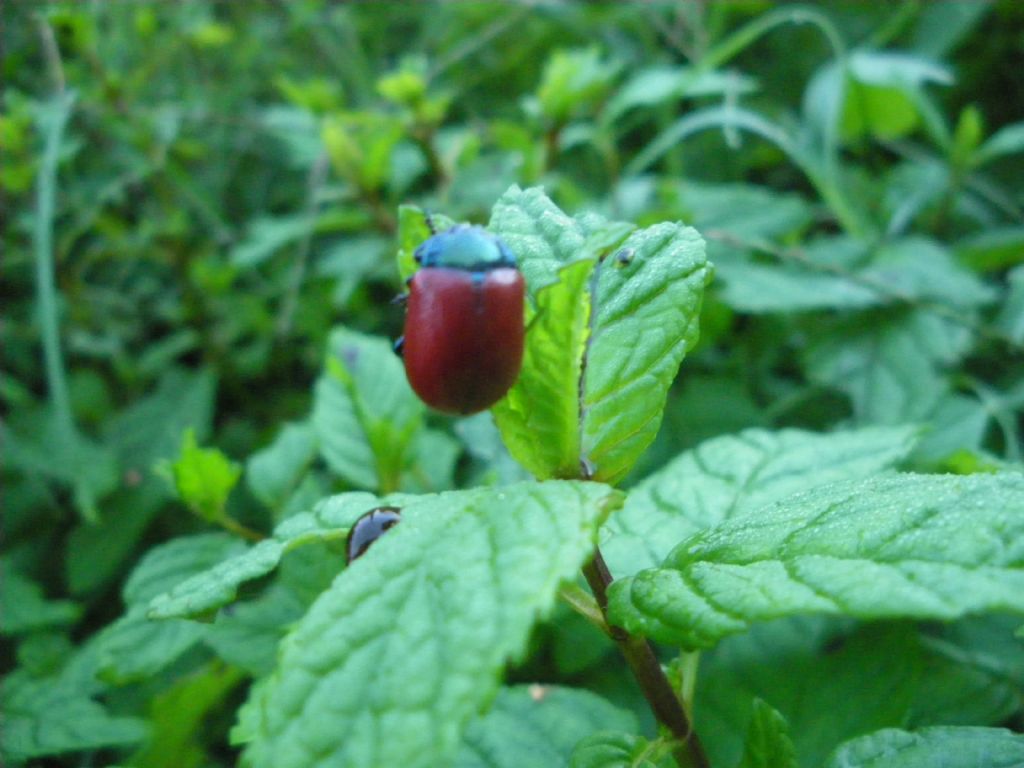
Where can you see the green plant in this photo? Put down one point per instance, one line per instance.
(814, 529)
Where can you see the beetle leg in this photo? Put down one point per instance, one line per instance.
(430, 222)
(400, 298)
(399, 345)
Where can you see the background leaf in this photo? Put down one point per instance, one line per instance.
(886, 547)
(731, 477)
(956, 747)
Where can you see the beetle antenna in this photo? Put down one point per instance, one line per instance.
(430, 222)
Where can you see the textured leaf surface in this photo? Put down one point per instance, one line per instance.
(540, 234)
(539, 417)
(56, 714)
(607, 344)
(931, 748)
(645, 318)
(134, 647)
(729, 477)
(364, 412)
(217, 586)
(537, 726)
(918, 546)
(391, 662)
(768, 744)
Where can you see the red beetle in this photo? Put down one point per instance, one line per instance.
(463, 342)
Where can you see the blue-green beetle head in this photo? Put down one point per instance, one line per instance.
(464, 247)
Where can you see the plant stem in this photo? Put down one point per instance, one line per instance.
(54, 118)
(239, 529)
(646, 668)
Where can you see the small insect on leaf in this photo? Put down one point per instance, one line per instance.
(369, 528)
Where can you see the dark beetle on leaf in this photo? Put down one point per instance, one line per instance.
(463, 342)
(368, 528)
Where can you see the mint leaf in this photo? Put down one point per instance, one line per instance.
(413, 637)
(891, 366)
(56, 714)
(537, 726)
(929, 747)
(916, 546)
(180, 717)
(539, 417)
(542, 236)
(273, 473)
(46, 718)
(768, 744)
(136, 648)
(649, 307)
(217, 586)
(729, 477)
(203, 478)
(874, 670)
(619, 750)
(645, 299)
(26, 609)
(364, 413)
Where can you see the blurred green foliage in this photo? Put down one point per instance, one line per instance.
(196, 193)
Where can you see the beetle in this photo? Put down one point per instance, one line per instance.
(463, 340)
(368, 528)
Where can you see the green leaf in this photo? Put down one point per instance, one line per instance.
(537, 726)
(619, 750)
(975, 668)
(203, 478)
(650, 307)
(930, 747)
(180, 717)
(151, 428)
(889, 365)
(1011, 317)
(421, 626)
(656, 85)
(135, 647)
(217, 586)
(1008, 140)
(920, 268)
(38, 443)
(272, 474)
(54, 715)
(266, 235)
(25, 608)
(539, 418)
(364, 413)
(768, 744)
(802, 667)
(247, 636)
(730, 477)
(912, 268)
(882, 97)
(647, 302)
(41, 721)
(542, 237)
(991, 249)
(95, 552)
(572, 82)
(916, 546)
